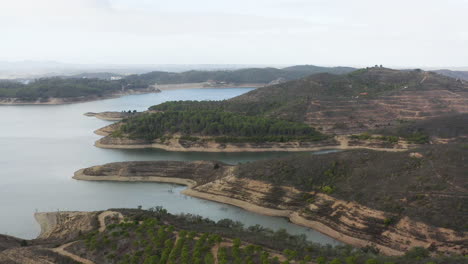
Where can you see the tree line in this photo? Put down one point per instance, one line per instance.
(229, 125)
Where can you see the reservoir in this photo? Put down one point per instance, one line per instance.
(41, 146)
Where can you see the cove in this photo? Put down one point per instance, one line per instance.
(42, 145)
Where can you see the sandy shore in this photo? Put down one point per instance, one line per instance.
(205, 85)
(294, 217)
(79, 175)
(216, 147)
(108, 116)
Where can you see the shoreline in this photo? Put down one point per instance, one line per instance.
(206, 85)
(216, 148)
(292, 216)
(63, 101)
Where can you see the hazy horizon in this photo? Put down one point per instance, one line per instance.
(398, 34)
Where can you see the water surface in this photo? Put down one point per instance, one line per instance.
(41, 146)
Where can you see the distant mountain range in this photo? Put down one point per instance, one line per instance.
(454, 74)
(39, 69)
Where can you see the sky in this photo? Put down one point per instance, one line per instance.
(425, 33)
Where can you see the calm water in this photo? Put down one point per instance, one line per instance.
(41, 147)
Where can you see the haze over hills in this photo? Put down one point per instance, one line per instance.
(93, 86)
(454, 74)
(40, 69)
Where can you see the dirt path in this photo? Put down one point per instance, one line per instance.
(424, 78)
(215, 249)
(102, 226)
(61, 250)
(102, 219)
(344, 145)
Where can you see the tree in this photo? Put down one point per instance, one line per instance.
(372, 261)
(321, 260)
(209, 259)
(335, 261)
(417, 253)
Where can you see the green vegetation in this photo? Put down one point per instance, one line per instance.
(224, 126)
(415, 138)
(155, 236)
(367, 136)
(418, 138)
(58, 88)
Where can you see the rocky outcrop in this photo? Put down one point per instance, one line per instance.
(64, 226)
(111, 116)
(178, 144)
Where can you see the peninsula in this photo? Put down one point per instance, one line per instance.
(375, 108)
(393, 201)
(156, 236)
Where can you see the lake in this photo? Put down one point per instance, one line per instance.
(41, 146)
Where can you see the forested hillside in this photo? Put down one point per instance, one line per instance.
(356, 102)
(58, 88)
(242, 76)
(223, 126)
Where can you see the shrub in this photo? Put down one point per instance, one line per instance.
(389, 221)
(327, 189)
(417, 253)
(335, 261)
(351, 260)
(321, 260)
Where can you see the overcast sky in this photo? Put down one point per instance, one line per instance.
(323, 32)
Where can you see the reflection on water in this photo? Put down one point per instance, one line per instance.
(41, 147)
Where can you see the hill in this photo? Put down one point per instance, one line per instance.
(312, 69)
(241, 76)
(360, 197)
(372, 100)
(156, 236)
(463, 75)
(360, 101)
